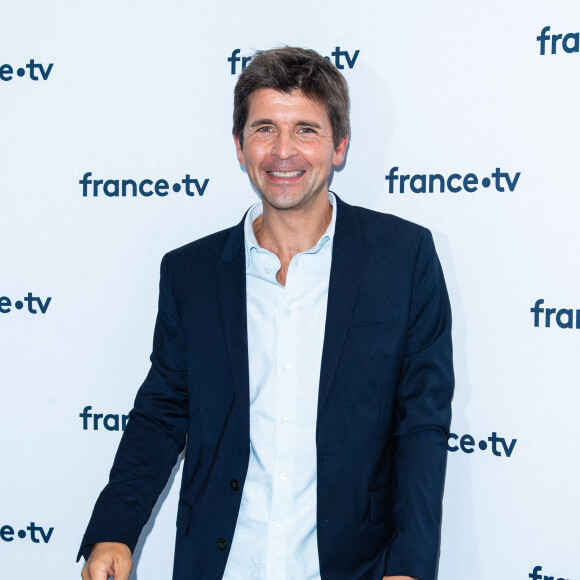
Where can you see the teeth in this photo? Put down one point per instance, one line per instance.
(285, 173)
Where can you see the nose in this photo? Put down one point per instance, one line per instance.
(283, 146)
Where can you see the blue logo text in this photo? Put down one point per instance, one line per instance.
(467, 444)
(337, 55)
(7, 533)
(436, 182)
(570, 42)
(111, 421)
(32, 302)
(535, 575)
(145, 187)
(36, 71)
(564, 316)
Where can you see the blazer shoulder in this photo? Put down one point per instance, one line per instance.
(206, 249)
(385, 225)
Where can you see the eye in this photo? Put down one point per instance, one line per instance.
(307, 130)
(264, 129)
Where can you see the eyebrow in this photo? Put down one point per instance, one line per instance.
(259, 122)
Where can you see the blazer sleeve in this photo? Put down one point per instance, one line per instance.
(424, 398)
(154, 436)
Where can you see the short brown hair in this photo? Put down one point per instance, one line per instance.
(291, 69)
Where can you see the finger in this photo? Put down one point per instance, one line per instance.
(90, 573)
(122, 569)
(97, 572)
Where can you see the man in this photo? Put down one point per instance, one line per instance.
(306, 356)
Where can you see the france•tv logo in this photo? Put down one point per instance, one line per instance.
(144, 187)
(337, 54)
(468, 444)
(535, 575)
(37, 533)
(111, 421)
(32, 303)
(564, 316)
(454, 183)
(569, 42)
(36, 71)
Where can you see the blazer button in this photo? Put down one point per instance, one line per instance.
(221, 544)
(235, 485)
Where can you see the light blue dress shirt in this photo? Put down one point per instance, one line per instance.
(275, 535)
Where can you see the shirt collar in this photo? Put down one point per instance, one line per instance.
(256, 210)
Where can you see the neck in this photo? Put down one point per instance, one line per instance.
(289, 232)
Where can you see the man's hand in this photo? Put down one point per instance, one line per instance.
(108, 559)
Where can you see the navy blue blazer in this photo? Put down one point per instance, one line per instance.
(385, 391)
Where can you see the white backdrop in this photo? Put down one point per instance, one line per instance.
(143, 90)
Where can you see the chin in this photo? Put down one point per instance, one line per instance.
(284, 202)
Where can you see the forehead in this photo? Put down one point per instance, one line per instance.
(276, 105)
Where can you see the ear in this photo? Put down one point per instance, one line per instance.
(239, 151)
(340, 152)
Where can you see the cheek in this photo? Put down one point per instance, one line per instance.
(254, 153)
(316, 156)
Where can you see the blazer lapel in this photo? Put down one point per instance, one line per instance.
(348, 259)
(231, 289)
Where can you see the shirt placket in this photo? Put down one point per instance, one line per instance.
(286, 386)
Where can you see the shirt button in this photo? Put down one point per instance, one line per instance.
(221, 544)
(287, 420)
(277, 528)
(235, 485)
(284, 476)
(287, 366)
(268, 270)
(288, 313)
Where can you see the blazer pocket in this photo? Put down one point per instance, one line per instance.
(183, 516)
(381, 506)
(362, 318)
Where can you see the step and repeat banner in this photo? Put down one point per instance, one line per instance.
(115, 147)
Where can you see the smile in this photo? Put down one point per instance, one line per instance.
(286, 174)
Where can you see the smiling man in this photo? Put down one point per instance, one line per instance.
(305, 356)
